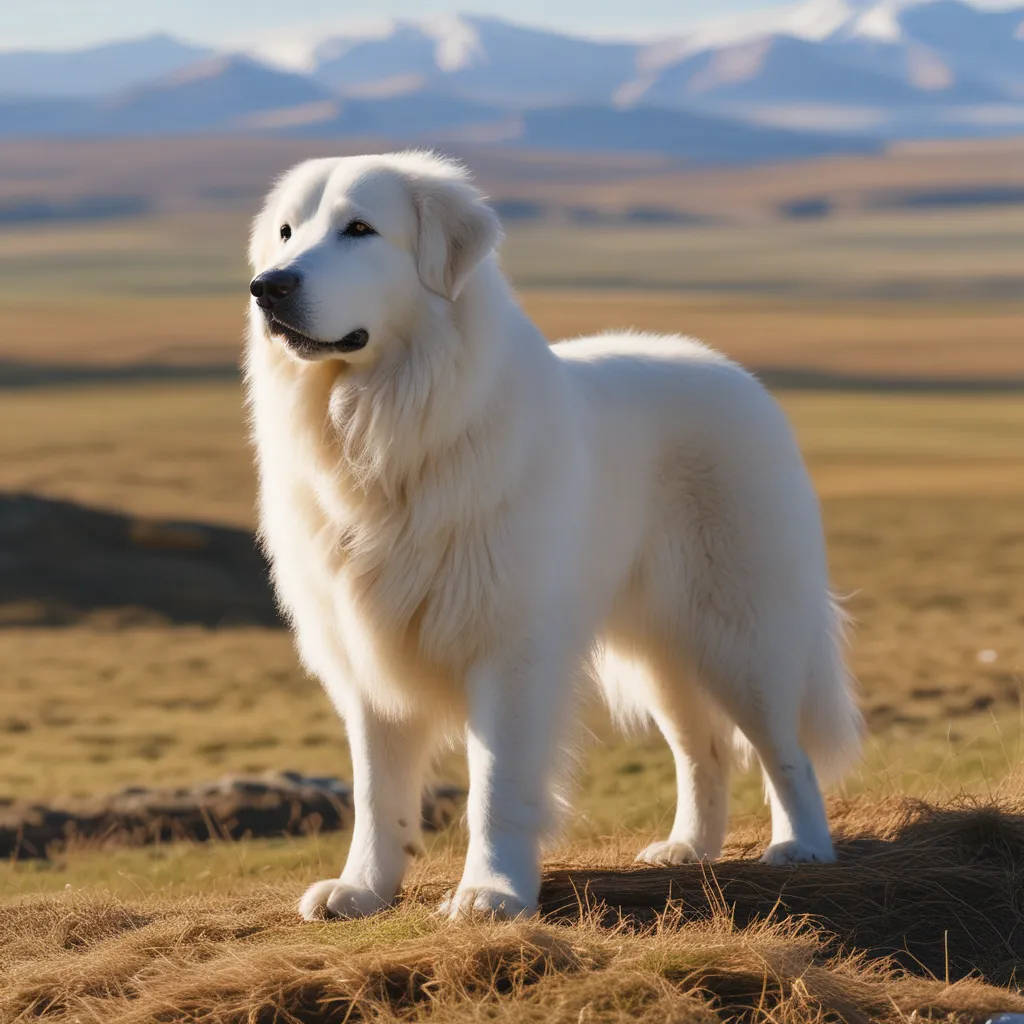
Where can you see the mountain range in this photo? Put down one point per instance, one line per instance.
(818, 76)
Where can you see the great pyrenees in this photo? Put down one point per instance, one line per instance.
(465, 523)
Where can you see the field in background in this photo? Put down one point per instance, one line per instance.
(908, 264)
(932, 295)
(923, 501)
(802, 269)
(105, 179)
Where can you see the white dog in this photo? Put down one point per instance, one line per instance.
(464, 521)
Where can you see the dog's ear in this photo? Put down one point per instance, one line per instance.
(457, 229)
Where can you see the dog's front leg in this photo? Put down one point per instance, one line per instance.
(515, 711)
(389, 761)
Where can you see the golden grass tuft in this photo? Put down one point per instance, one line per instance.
(920, 916)
(228, 960)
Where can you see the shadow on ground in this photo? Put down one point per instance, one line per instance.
(61, 562)
(940, 890)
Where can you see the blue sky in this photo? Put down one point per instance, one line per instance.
(60, 24)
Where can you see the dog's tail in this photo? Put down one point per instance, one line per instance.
(831, 724)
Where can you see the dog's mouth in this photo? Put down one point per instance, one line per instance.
(303, 345)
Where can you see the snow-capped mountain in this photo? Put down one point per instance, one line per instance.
(863, 69)
(888, 68)
(905, 66)
(480, 58)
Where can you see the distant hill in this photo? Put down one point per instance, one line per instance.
(820, 76)
(236, 96)
(97, 71)
(696, 138)
(232, 93)
(44, 118)
(219, 93)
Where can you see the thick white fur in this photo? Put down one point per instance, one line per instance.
(463, 521)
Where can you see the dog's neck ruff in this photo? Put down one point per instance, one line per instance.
(398, 461)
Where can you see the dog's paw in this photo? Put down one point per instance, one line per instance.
(668, 853)
(479, 901)
(332, 898)
(795, 852)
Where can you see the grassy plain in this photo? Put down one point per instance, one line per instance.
(908, 295)
(923, 497)
(871, 287)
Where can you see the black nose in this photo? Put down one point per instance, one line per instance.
(272, 286)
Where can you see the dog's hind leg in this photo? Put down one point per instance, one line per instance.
(701, 744)
(760, 698)
(800, 830)
(389, 763)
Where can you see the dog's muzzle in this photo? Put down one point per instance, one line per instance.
(275, 292)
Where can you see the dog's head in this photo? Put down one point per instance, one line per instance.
(345, 250)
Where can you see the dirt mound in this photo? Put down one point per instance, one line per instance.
(230, 808)
(937, 889)
(62, 563)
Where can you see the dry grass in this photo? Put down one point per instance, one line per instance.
(964, 256)
(923, 500)
(246, 960)
(162, 450)
(877, 339)
(933, 571)
(939, 339)
(920, 918)
(207, 932)
(180, 450)
(923, 294)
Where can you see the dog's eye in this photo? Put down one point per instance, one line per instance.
(358, 229)
(286, 232)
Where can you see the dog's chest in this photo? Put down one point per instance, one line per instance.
(399, 587)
